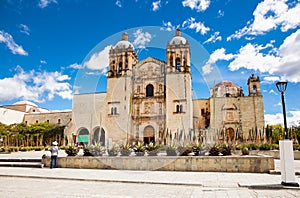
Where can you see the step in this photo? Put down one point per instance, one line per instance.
(22, 164)
(20, 160)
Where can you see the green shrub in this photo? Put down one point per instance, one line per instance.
(253, 146)
(275, 146)
(296, 147)
(265, 147)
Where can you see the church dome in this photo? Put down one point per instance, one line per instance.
(178, 39)
(226, 89)
(124, 43)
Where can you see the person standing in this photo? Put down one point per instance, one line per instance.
(54, 155)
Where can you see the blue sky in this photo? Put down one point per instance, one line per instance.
(51, 49)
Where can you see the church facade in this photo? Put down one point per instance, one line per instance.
(151, 99)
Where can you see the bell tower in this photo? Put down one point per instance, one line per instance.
(179, 107)
(178, 54)
(254, 86)
(122, 58)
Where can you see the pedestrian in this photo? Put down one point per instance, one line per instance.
(54, 154)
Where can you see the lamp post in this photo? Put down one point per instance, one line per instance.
(286, 147)
(281, 86)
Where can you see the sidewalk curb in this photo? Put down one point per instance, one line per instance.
(269, 187)
(104, 180)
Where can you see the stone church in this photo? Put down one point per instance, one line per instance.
(151, 100)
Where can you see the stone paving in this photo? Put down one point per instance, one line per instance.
(117, 183)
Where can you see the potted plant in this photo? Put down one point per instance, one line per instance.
(197, 148)
(152, 149)
(113, 151)
(225, 149)
(125, 149)
(214, 151)
(93, 150)
(171, 150)
(245, 151)
(184, 150)
(72, 150)
(139, 149)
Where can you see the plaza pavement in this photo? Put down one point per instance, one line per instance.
(200, 184)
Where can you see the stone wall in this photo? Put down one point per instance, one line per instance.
(250, 164)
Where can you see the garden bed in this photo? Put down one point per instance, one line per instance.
(249, 164)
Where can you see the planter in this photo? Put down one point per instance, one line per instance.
(153, 153)
(171, 152)
(139, 153)
(125, 152)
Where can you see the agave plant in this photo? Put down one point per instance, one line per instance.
(125, 149)
(139, 149)
(152, 149)
(72, 150)
(171, 150)
(113, 151)
(214, 151)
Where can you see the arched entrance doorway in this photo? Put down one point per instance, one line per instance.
(149, 134)
(230, 135)
(83, 136)
(99, 138)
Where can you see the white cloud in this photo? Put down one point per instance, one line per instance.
(45, 3)
(43, 62)
(199, 5)
(273, 92)
(24, 29)
(118, 3)
(220, 13)
(290, 58)
(268, 15)
(292, 120)
(218, 54)
(35, 86)
(156, 5)
(270, 79)
(99, 60)
(76, 66)
(213, 38)
(280, 62)
(251, 57)
(198, 26)
(141, 38)
(167, 26)
(10, 43)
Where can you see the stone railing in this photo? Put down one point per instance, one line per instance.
(250, 164)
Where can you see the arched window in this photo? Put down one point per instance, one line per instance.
(120, 66)
(254, 89)
(112, 111)
(149, 90)
(177, 63)
(177, 108)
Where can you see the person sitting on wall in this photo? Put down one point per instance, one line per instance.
(54, 154)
